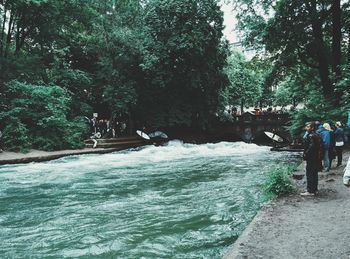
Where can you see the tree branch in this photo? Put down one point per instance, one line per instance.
(301, 56)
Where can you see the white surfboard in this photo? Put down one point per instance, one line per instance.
(273, 136)
(142, 134)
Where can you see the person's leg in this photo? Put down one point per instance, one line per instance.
(339, 151)
(331, 157)
(308, 176)
(326, 161)
(311, 178)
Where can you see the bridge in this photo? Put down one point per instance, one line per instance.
(249, 127)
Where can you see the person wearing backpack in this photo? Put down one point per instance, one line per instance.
(326, 141)
(331, 150)
(339, 142)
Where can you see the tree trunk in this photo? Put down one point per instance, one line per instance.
(321, 53)
(2, 35)
(336, 46)
(9, 34)
(336, 41)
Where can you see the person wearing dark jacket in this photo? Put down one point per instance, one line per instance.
(312, 152)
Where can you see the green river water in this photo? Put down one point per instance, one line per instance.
(174, 201)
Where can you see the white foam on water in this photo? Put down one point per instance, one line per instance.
(68, 168)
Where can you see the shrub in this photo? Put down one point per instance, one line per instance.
(36, 117)
(278, 182)
(16, 137)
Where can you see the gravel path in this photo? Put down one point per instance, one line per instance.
(301, 227)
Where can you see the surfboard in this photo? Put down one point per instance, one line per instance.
(273, 136)
(142, 134)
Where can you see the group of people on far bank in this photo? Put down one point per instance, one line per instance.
(323, 143)
(103, 128)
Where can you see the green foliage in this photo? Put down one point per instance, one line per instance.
(183, 59)
(316, 108)
(16, 136)
(246, 81)
(39, 114)
(303, 39)
(164, 63)
(283, 96)
(278, 182)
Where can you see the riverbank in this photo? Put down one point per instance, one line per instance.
(301, 227)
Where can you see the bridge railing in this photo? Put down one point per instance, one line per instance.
(261, 118)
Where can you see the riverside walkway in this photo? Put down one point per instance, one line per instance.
(107, 146)
(39, 156)
(301, 227)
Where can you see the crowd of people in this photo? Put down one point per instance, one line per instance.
(104, 128)
(258, 111)
(323, 143)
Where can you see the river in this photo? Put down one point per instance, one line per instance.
(173, 201)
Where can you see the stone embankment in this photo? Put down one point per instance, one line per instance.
(40, 156)
(103, 146)
(301, 227)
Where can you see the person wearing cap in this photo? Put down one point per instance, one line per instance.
(331, 148)
(312, 156)
(339, 142)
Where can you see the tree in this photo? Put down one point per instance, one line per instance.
(246, 84)
(308, 32)
(183, 60)
(39, 114)
(42, 44)
(119, 47)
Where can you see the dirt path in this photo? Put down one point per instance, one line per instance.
(301, 227)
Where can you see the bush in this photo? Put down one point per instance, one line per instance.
(36, 117)
(278, 182)
(16, 137)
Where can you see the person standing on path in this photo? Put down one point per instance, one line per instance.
(331, 148)
(326, 140)
(311, 154)
(339, 142)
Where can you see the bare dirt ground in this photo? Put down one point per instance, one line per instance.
(301, 227)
